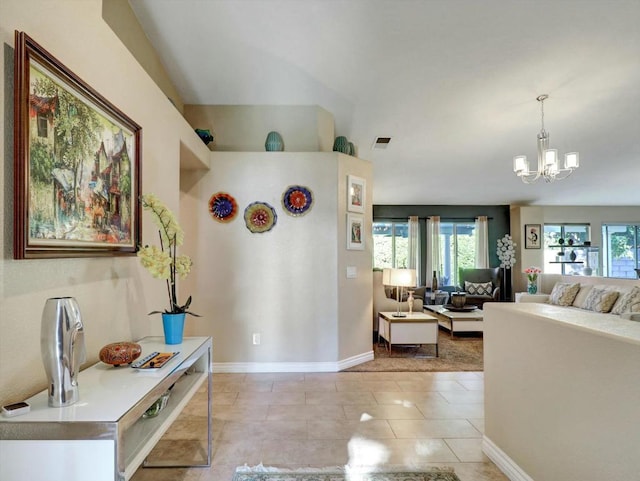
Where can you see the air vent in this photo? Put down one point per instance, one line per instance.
(381, 143)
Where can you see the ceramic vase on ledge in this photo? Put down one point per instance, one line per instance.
(274, 142)
(532, 287)
(173, 325)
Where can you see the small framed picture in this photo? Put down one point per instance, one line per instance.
(356, 188)
(532, 236)
(355, 232)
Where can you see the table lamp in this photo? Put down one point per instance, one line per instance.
(399, 278)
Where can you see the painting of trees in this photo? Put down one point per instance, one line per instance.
(76, 163)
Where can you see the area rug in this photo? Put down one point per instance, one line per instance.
(462, 353)
(432, 474)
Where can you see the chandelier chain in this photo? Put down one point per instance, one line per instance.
(542, 113)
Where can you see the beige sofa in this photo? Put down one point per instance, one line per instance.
(382, 302)
(602, 295)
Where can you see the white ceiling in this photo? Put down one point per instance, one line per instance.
(454, 83)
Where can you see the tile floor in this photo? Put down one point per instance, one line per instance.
(404, 420)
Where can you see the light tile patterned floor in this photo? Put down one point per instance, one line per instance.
(403, 420)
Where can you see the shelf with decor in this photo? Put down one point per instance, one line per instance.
(576, 259)
(109, 432)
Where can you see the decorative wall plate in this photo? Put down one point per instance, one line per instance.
(297, 200)
(260, 217)
(223, 207)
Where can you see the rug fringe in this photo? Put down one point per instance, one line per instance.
(260, 468)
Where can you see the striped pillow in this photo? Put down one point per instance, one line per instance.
(563, 293)
(600, 300)
(628, 302)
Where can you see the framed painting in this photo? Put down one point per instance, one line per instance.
(356, 189)
(76, 164)
(355, 232)
(532, 236)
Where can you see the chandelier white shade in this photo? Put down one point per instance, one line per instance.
(548, 167)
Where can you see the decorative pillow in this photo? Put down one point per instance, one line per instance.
(404, 294)
(600, 300)
(582, 295)
(627, 301)
(478, 289)
(564, 293)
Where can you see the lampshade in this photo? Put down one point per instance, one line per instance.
(386, 276)
(520, 164)
(402, 277)
(571, 160)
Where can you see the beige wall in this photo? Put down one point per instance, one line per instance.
(244, 128)
(288, 284)
(355, 296)
(114, 294)
(593, 215)
(122, 20)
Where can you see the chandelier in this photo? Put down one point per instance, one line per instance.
(547, 158)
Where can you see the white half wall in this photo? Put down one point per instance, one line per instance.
(561, 393)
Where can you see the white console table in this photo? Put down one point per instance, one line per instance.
(103, 436)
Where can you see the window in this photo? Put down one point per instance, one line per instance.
(457, 250)
(621, 250)
(559, 240)
(390, 244)
(43, 126)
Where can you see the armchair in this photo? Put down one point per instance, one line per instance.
(481, 276)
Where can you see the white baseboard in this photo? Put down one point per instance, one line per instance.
(248, 367)
(507, 465)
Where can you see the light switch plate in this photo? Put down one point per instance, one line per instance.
(352, 272)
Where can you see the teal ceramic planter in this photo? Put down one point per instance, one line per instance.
(341, 144)
(173, 325)
(274, 142)
(205, 135)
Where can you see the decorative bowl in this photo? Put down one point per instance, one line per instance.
(120, 353)
(157, 406)
(458, 299)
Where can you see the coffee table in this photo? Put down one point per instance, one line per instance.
(469, 321)
(415, 328)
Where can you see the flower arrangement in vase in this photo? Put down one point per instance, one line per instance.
(532, 279)
(162, 262)
(506, 252)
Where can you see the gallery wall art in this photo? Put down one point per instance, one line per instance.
(356, 189)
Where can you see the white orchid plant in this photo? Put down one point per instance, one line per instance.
(163, 262)
(506, 252)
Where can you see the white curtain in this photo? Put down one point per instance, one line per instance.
(482, 242)
(433, 247)
(413, 260)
